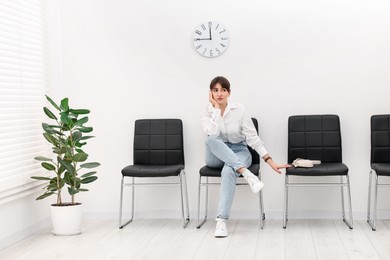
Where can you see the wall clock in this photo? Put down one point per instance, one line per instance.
(210, 39)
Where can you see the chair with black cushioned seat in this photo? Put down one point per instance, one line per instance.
(158, 152)
(317, 137)
(207, 172)
(380, 160)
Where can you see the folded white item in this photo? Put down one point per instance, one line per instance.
(305, 163)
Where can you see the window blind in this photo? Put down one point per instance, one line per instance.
(23, 83)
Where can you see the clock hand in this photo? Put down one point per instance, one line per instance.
(210, 32)
(201, 39)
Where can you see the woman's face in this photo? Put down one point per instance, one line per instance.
(220, 94)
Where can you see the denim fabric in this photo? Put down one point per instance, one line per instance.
(229, 157)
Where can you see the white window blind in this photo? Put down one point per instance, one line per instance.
(23, 83)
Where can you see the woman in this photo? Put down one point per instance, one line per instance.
(230, 129)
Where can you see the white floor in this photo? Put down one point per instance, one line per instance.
(166, 239)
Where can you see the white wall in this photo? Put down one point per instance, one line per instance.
(134, 59)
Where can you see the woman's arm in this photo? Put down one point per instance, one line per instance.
(275, 166)
(211, 117)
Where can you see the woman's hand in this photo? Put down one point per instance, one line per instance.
(213, 101)
(276, 167)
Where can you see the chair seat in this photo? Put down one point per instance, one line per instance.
(381, 168)
(323, 169)
(152, 170)
(216, 172)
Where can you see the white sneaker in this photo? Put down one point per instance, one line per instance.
(254, 183)
(220, 229)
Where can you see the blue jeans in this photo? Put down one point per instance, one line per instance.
(229, 157)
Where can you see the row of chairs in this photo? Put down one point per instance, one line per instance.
(158, 152)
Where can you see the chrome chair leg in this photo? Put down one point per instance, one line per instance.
(199, 224)
(369, 197)
(285, 208)
(262, 213)
(121, 204)
(375, 201)
(374, 213)
(342, 199)
(350, 221)
(182, 183)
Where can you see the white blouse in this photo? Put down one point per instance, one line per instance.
(234, 126)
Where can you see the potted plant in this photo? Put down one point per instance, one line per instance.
(68, 164)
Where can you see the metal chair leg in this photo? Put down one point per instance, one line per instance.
(372, 221)
(350, 221)
(369, 197)
(185, 220)
(262, 213)
(285, 208)
(199, 224)
(121, 204)
(342, 199)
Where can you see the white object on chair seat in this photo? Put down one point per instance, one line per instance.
(305, 163)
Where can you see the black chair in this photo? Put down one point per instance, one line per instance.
(380, 160)
(207, 172)
(158, 152)
(317, 137)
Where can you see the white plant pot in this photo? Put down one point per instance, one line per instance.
(66, 220)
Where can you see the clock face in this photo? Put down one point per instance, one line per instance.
(210, 39)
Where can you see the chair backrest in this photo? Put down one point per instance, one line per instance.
(315, 137)
(380, 139)
(158, 142)
(255, 155)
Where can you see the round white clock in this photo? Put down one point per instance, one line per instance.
(210, 39)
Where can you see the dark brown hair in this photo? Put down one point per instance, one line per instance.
(222, 81)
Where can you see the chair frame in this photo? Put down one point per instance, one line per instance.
(206, 185)
(343, 184)
(185, 213)
(142, 129)
(372, 221)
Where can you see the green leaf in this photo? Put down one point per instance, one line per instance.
(85, 129)
(47, 194)
(51, 139)
(69, 167)
(89, 179)
(83, 190)
(65, 118)
(53, 103)
(68, 178)
(79, 144)
(76, 136)
(49, 113)
(52, 187)
(86, 137)
(88, 174)
(79, 111)
(79, 151)
(41, 178)
(80, 157)
(90, 165)
(65, 104)
(50, 130)
(72, 191)
(48, 166)
(42, 158)
(81, 121)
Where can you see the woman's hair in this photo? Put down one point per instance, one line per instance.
(222, 81)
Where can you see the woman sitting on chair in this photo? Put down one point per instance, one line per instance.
(230, 129)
